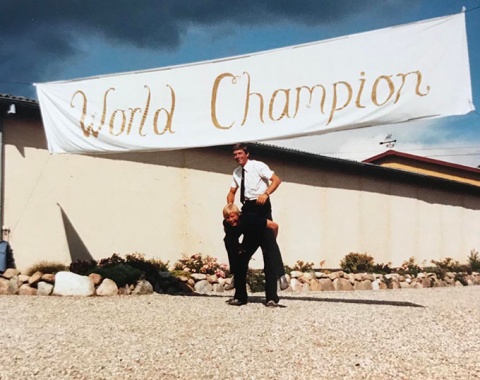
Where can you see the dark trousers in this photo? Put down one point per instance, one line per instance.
(232, 236)
(271, 257)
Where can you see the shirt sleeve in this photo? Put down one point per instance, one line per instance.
(235, 180)
(265, 171)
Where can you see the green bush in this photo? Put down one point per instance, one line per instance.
(474, 261)
(256, 280)
(303, 266)
(110, 261)
(83, 267)
(50, 267)
(446, 265)
(382, 268)
(357, 263)
(122, 274)
(410, 267)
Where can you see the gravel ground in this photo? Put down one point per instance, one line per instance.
(395, 334)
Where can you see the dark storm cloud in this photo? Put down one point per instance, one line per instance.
(36, 34)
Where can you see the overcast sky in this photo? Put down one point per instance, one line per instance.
(52, 40)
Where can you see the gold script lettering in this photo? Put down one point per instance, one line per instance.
(213, 103)
(168, 123)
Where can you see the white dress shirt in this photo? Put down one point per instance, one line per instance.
(257, 178)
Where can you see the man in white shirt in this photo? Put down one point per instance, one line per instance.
(256, 182)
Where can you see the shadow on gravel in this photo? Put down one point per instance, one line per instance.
(260, 299)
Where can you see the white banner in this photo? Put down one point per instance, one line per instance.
(392, 75)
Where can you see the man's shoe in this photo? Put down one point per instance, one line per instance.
(237, 303)
(231, 285)
(283, 282)
(271, 303)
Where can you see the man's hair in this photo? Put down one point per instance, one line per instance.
(228, 209)
(240, 146)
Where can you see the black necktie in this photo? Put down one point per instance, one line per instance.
(242, 187)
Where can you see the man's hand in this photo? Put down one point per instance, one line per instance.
(262, 199)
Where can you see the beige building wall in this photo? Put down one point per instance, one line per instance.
(163, 204)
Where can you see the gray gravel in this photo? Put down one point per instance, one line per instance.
(395, 334)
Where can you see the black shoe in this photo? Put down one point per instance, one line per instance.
(271, 303)
(283, 282)
(237, 303)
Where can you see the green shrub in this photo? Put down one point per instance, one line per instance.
(151, 269)
(303, 266)
(357, 262)
(382, 268)
(122, 274)
(256, 280)
(446, 265)
(410, 267)
(50, 267)
(474, 261)
(110, 261)
(83, 267)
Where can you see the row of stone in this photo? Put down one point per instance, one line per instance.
(66, 284)
(341, 281)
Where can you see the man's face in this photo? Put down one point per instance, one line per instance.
(232, 219)
(240, 156)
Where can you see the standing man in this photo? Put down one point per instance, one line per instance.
(256, 182)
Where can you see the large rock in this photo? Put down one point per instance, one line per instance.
(96, 278)
(10, 272)
(27, 290)
(13, 285)
(199, 276)
(363, 285)
(108, 287)
(48, 277)
(342, 284)
(203, 286)
(44, 288)
(314, 285)
(35, 278)
(296, 285)
(326, 284)
(72, 284)
(143, 287)
(3, 286)
(23, 278)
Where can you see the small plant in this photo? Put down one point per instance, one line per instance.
(83, 267)
(50, 267)
(410, 267)
(199, 264)
(122, 274)
(256, 280)
(357, 263)
(444, 266)
(303, 266)
(382, 268)
(110, 261)
(474, 261)
(138, 260)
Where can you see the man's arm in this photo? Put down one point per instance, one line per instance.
(231, 195)
(275, 181)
